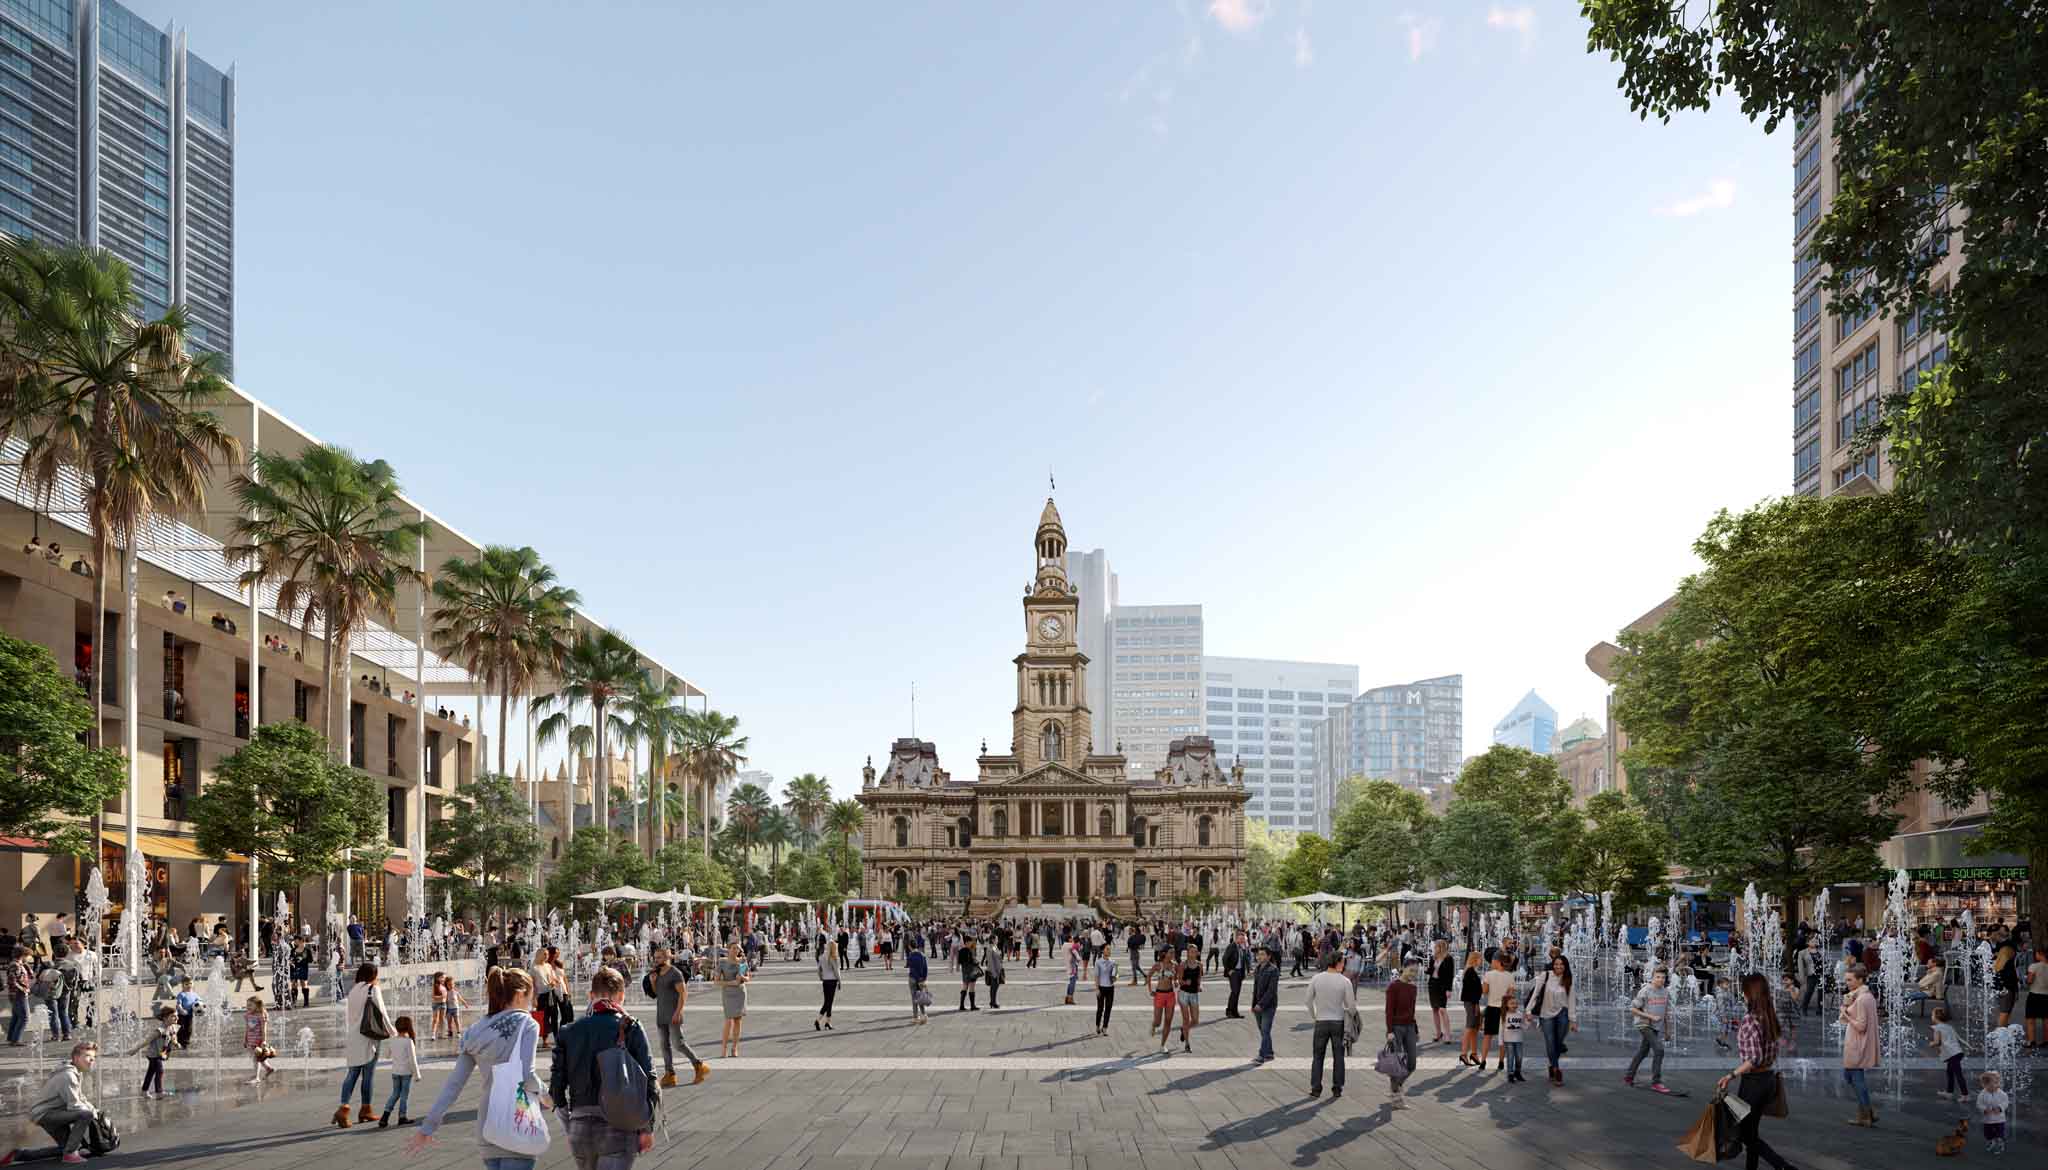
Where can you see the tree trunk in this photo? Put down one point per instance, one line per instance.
(660, 800)
(504, 715)
(327, 681)
(600, 772)
(96, 677)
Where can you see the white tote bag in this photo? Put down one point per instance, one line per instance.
(513, 1120)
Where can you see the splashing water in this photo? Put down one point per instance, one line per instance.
(1896, 1039)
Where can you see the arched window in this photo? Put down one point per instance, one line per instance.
(1050, 741)
(902, 882)
(902, 833)
(1138, 887)
(1138, 838)
(966, 827)
(1109, 880)
(1000, 822)
(994, 879)
(1105, 824)
(1202, 881)
(1202, 827)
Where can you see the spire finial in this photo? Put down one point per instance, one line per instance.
(1051, 485)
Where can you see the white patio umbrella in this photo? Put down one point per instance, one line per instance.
(618, 894)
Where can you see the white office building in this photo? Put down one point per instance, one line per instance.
(1155, 681)
(1264, 712)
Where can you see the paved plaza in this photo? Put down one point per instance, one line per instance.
(1029, 1086)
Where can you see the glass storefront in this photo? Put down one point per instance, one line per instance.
(1991, 893)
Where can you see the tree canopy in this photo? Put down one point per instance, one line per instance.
(283, 800)
(487, 846)
(46, 773)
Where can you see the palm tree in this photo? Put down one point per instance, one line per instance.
(657, 722)
(333, 532)
(844, 819)
(714, 751)
(503, 619)
(807, 797)
(747, 811)
(778, 829)
(600, 670)
(96, 391)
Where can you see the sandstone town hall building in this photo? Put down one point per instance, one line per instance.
(1050, 822)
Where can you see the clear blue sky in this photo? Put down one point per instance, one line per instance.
(1391, 337)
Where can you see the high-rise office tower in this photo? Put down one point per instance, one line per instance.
(1843, 367)
(1532, 725)
(1155, 680)
(113, 134)
(1412, 733)
(1096, 586)
(1264, 712)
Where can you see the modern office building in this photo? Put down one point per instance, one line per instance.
(114, 134)
(1531, 725)
(1097, 594)
(1155, 681)
(1264, 712)
(1843, 367)
(1411, 733)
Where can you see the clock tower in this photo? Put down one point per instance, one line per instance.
(1051, 723)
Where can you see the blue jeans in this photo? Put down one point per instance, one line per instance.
(1513, 1049)
(401, 1094)
(1857, 1082)
(1265, 1019)
(18, 1024)
(508, 1163)
(367, 1072)
(1554, 1029)
(60, 1018)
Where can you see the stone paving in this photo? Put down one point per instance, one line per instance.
(1031, 1086)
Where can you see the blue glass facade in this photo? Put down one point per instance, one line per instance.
(1531, 725)
(1413, 733)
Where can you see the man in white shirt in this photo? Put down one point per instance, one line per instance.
(1331, 1001)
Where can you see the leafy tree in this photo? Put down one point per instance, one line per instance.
(596, 859)
(1262, 853)
(1379, 856)
(490, 839)
(682, 864)
(842, 821)
(920, 906)
(334, 533)
(1949, 114)
(1376, 802)
(1763, 710)
(1517, 779)
(817, 878)
(713, 750)
(808, 797)
(1619, 848)
(1485, 844)
(46, 771)
(1306, 867)
(283, 800)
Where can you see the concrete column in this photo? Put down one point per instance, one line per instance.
(131, 743)
(255, 690)
(418, 884)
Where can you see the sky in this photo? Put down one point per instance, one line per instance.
(1384, 332)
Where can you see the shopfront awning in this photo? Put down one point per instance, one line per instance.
(402, 867)
(168, 848)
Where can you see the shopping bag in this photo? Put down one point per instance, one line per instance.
(1698, 1142)
(513, 1121)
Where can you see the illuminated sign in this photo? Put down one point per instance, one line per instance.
(1970, 873)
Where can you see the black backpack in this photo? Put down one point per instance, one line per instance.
(624, 1090)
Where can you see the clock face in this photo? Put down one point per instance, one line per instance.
(1049, 628)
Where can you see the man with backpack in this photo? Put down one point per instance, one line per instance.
(603, 1080)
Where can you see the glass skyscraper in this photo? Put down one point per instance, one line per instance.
(1264, 712)
(113, 134)
(1413, 733)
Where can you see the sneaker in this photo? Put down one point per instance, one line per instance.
(1628, 1080)
(1397, 1103)
(1658, 1087)
(73, 1159)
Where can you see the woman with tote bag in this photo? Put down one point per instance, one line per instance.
(510, 1132)
(365, 1026)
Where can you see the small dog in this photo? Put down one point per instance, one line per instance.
(1955, 1143)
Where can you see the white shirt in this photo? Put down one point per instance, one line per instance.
(1991, 1103)
(1331, 997)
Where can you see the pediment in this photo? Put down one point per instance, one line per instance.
(1049, 775)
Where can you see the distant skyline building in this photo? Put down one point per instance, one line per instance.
(1097, 594)
(1410, 733)
(116, 136)
(1264, 711)
(1531, 725)
(1155, 680)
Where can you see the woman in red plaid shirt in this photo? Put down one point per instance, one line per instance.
(1756, 1041)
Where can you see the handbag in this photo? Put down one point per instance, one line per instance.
(1390, 1063)
(1777, 1106)
(920, 997)
(512, 1120)
(374, 1025)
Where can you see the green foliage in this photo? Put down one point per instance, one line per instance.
(681, 865)
(1262, 856)
(808, 797)
(1306, 867)
(816, 877)
(1379, 856)
(46, 773)
(504, 619)
(282, 800)
(596, 859)
(1950, 114)
(490, 841)
(920, 906)
(1617, 847)
(1763, 711)
(1485, 844)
